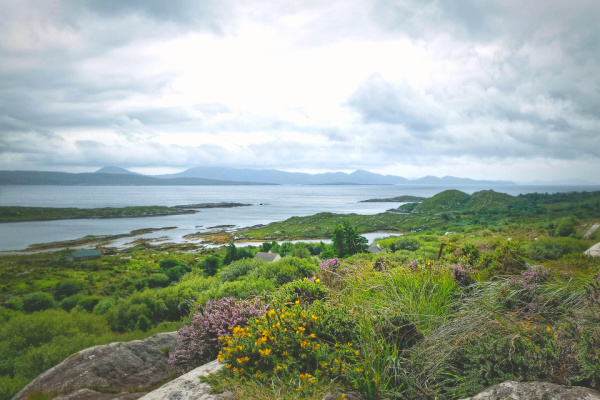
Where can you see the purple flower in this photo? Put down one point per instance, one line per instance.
(199, 342)
(330, 265)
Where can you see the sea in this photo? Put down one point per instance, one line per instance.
(268, 204)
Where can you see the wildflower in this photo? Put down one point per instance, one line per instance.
(313, 316)
(549, 329)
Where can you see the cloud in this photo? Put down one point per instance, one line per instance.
(380, 101)
(393, 86)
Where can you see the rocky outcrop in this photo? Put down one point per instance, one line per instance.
(511, 390)
(112, 371)
(591, 231)
(593, 251)
(188, 386)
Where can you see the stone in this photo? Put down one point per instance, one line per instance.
(88, 394)
(591, 231)
(115, 367)
(593, 251)
(188, 386)
(511, 390)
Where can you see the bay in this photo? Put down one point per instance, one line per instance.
(269, 204)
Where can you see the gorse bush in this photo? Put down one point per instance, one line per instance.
(301, 344)
(199, 341)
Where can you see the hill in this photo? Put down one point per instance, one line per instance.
(455, 200)
(116, 179)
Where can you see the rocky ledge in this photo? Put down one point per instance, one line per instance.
(511, 390)
(113, 371)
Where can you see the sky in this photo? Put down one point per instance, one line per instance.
(496, 89)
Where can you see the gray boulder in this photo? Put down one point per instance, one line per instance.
(188, 386)
(511, 390)
(593, 251)
(128, 367)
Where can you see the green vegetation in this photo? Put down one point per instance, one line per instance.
(20, 214)
(493, 288)
(399, 199)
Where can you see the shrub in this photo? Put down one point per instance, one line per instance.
(285, 270)
(407, 243)
(67, 288)
(469, 253)
(68, 303)
(88, 303)
(210, 265)
(239, 268)
(546, 249)
(462, 274)
(302, 292)
(158, 280)
(143, 323)
(298, 344)
(199, 342)
(37, 301)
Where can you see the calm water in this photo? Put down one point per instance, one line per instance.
(269, 204)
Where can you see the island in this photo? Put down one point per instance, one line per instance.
(212, 205)
(399, 199)
(27, 214)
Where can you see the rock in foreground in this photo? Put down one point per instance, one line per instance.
(188, 386)
(127, 367)
(511, 390)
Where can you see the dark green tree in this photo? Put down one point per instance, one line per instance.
(210, 266)
(346, 240)
(143, 323)
(37, 301)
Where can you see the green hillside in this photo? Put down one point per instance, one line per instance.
(457, 201)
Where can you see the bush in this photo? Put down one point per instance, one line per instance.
(546, 249)
(469, 253)
(88, 303)
(298, 344)
(68, 303)
(302, 292)
(407, 243)
(158, 280)
(37, 301)
(210, 265)
(285, 270)
(67, 288)
(199, 342)
(239, 268)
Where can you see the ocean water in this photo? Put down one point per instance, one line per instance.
(269, 204)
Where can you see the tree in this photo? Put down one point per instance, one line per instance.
(37, 301)
(346, 240)
(210, 266)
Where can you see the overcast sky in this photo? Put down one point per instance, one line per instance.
(495, 89)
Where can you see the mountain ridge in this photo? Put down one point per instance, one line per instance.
(112, 175)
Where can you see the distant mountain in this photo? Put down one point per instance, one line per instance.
(115, 170)
(360, 177)
(451, 180)
(226, 176)
(282, 177)
(92, 179)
